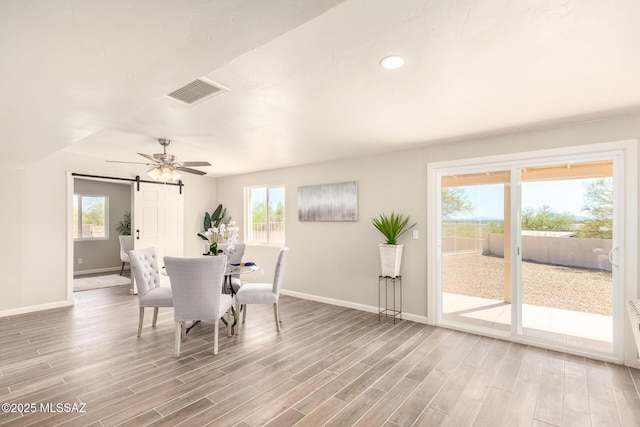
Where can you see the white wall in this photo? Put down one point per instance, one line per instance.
(340, 261)
(35, 258)
(32, 255)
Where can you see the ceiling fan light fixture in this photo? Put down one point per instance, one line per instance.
(175, 175)
(155, 173)
(164, 174)
(165, 166)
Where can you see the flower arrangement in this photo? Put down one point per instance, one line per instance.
(228, 232)
(218, 226)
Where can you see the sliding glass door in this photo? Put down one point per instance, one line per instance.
(476, 284)
(529, 251)
(567, 237)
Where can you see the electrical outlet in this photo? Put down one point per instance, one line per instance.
(416, 234)
(80, 260)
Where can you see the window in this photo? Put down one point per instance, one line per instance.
(265, 214)
(90, 217)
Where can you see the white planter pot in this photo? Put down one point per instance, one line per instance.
(390, 259)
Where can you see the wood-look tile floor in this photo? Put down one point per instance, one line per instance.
(329, 366)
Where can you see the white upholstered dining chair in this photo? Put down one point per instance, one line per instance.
(234, 258)
(126, 244)
(197, 294)
(144, 265)
(263, 293)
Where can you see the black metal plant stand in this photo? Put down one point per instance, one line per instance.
(393, 311)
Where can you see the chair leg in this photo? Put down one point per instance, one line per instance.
(178, 336)
(238, 319)
(122, 269)
(155, 316)
(229, 322)
(184, 330)
(244, 314)
(140, 319)
(216, 323)
(276, 315)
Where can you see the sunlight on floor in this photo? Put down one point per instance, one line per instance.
(572, 327)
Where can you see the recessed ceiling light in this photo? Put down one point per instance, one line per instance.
(392, 62)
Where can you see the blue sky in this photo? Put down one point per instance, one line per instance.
(276, 195)
(562, 196)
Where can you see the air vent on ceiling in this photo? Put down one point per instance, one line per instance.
(196, 91)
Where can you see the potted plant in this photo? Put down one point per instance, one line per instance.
(123, 227)
(391, 227)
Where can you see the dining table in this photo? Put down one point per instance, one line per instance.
(236, 270)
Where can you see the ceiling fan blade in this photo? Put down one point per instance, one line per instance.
(189, 170)
(195, 163)
(134, 163)
(153, 159)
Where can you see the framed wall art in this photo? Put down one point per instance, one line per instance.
(328, 202)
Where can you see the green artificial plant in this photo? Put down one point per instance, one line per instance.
(392, 227)
(123, 227)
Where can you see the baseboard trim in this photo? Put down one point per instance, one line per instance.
(99, 270)
(349, 304)
(34, 308)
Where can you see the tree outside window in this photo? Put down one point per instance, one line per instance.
(90, 217)
(265, 213)
(598, 205)
(545, 218)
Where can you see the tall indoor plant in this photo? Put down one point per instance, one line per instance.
(391, 227)
(123, 227)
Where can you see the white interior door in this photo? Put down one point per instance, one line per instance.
(158, 220)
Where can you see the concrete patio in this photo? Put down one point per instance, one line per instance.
(563, 304)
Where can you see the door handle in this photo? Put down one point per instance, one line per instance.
(611, 260)
(138, 235)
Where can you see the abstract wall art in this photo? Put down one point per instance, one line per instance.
(328, 202)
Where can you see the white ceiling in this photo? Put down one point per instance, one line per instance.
(91, 77)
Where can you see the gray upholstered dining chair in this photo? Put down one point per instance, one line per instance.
(197, 293)
(263, 293)
(144, 264)
(234, 258)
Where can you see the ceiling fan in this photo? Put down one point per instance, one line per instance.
(166, 166)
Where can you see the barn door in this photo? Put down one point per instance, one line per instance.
(158, 220)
